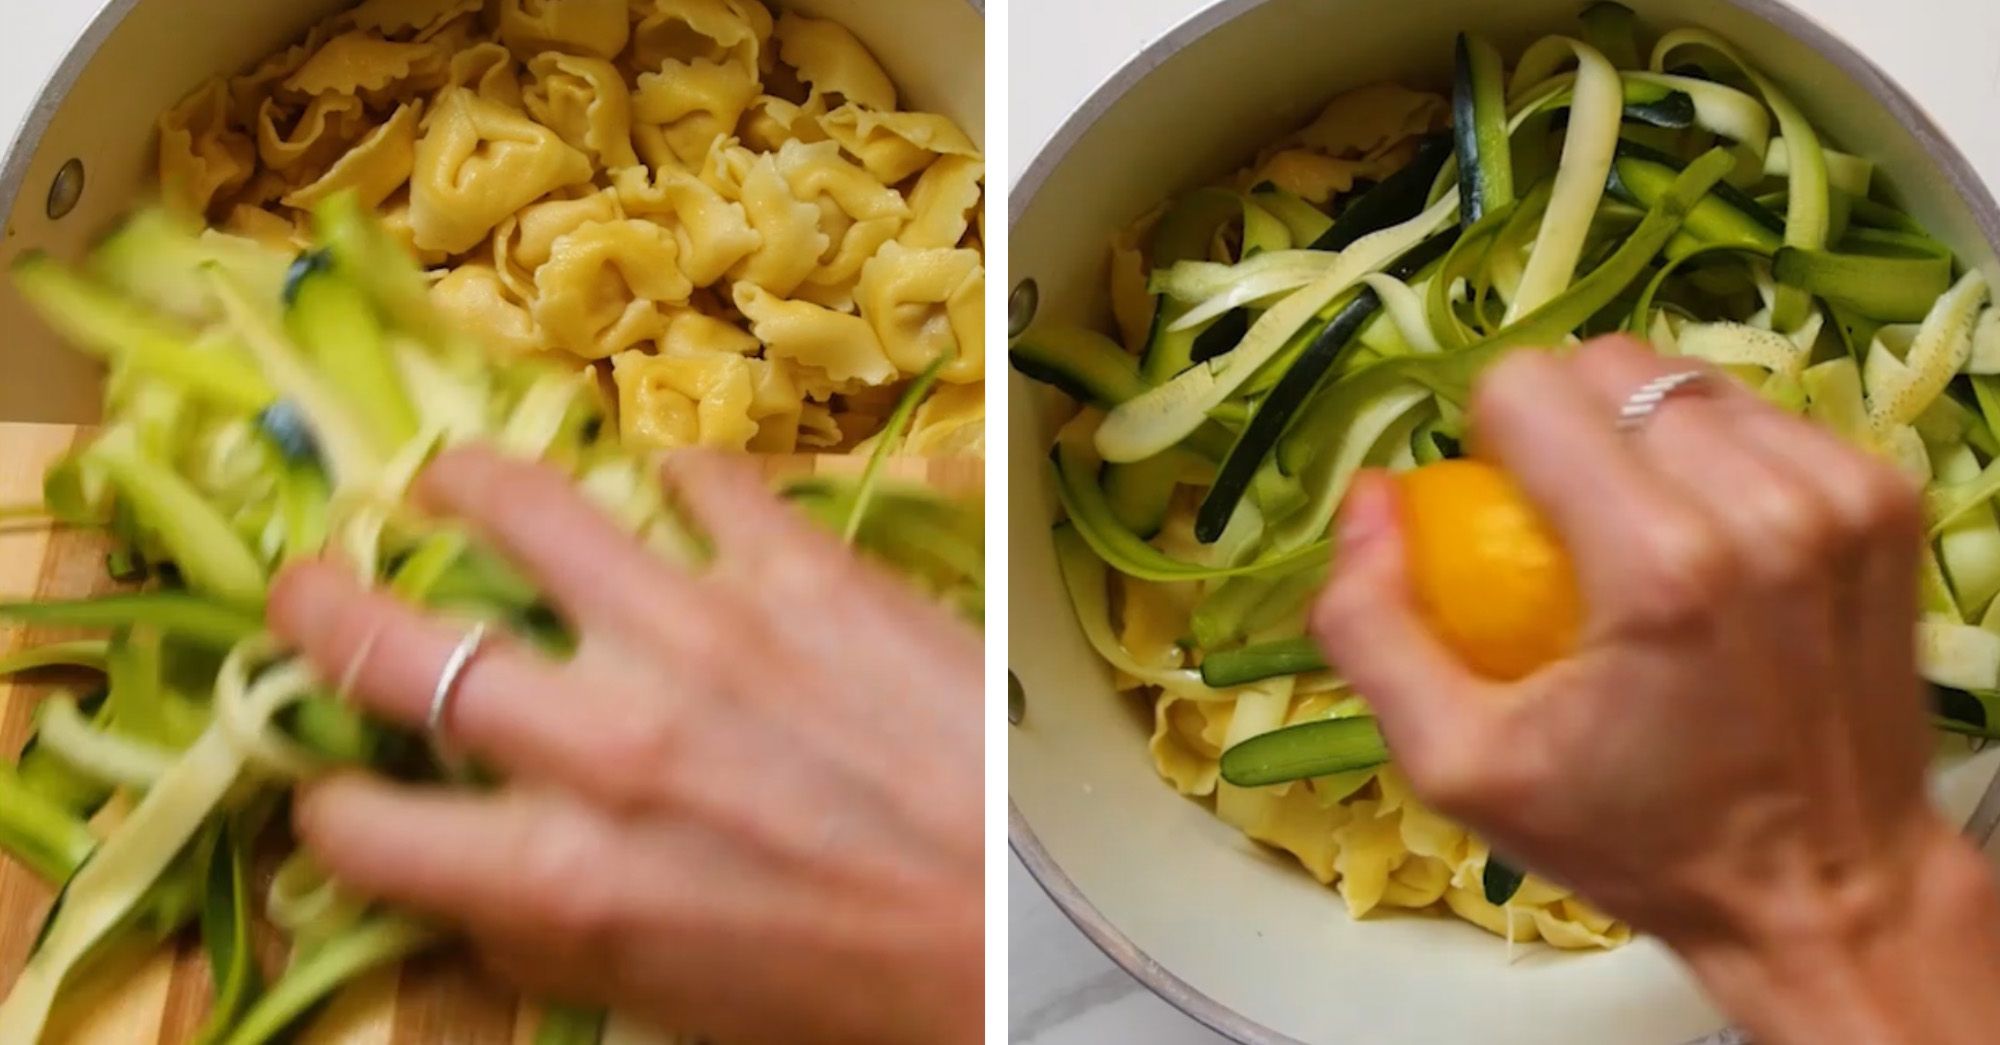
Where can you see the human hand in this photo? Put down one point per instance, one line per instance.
(1733, 755)
(749, 806)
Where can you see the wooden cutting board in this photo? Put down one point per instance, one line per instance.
(162, 997)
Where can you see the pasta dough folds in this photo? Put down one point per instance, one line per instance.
(601, 289)
(478, 162)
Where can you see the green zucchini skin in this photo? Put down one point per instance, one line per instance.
(1101, 375)
(1220, 336)
(1310, 749)
(1479, 126)
(1728, 215)
(1282, 403)
(1966, 712)
(1262, 660)
(1393, 200)
(1885, 288)
(1500, 881)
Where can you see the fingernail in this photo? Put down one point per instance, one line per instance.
(1368, 513)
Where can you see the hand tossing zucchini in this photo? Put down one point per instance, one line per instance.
(260, 412)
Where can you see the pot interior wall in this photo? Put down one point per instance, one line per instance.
(1238, 923)
(141, 56)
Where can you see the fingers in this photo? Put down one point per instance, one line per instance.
(502, 712)
(732, 503)
(539, 520)
(515, 861)
(1374, 635)
(1537, 417)
(1771, 510)
(781, 562)
(776, 554)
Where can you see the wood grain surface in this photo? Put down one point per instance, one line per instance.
(160, 996)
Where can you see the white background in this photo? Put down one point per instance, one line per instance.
(1946, 53)
(1062, 992)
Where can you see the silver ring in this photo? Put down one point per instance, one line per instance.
(447, 685)
(1646, 399)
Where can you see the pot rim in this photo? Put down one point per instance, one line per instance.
(27, 140)
(1027, 847)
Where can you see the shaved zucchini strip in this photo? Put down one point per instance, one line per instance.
(1164, 415)
(106, 757)
(1311, 749)
(1969, 546)
(1588, 147)
(1717, 108)
(109, 885)
(1889, 289)
(1807, 213)
(1306, 222)
(1849, 173)
(115, 329)
(1241, 605)
(191, 617)
(201, 542)
(225, 931)
(83, 653)
(1358, 413)
(1076, 466)
(1087, 581)
(1962, 656)
(1276, 411)
(1405, 309)
(1724, 218)
(1985, 358)
(1563, 314)
(1088, 366)
(1208, 289)
(886, 442)
(376, 942)
(348, 449)
(1900, 390)
(1479, 126)
(1739, 344)
(1394, 200)
(329, 314)
(45, 837)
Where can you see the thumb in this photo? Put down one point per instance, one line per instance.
(1368, 623)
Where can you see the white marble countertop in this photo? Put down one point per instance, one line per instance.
(1946, 53)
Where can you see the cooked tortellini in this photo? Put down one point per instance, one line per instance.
(716, 205)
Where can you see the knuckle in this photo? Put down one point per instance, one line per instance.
(1799, 535)
(564, 870)
(1883, 506)
(1681, 570)
(1453, 782)
(1342, 607)
(1507, 387)
(635, 752)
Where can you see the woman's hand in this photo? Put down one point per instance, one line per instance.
(1733, 757)
(750, 805)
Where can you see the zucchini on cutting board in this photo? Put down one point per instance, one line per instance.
(162, 996)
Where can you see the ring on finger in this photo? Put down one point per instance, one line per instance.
(446, 690)
(1646, 400)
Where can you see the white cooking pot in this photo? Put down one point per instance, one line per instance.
(86, 153)
(1235, 934)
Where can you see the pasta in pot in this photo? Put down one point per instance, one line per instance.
(717, 203)
(1362, 831)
